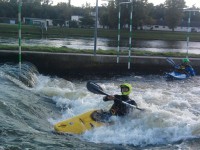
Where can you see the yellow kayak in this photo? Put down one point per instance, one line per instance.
(80, 123)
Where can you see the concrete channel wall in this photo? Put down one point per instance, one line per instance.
(65, 64)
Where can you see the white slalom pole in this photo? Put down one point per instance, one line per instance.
(188, 38)
(95, 31)
(190, 10)
(20, 33)
(119, 14)
(130, 37)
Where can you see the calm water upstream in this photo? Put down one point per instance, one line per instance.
(170, 121)
(105, 44)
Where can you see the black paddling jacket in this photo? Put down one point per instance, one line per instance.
(119, 108)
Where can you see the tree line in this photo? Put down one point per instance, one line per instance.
(144, 13)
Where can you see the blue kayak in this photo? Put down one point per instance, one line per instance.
(176, 76)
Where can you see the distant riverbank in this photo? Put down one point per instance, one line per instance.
(86, 43)
(135, 52)
(60, 32)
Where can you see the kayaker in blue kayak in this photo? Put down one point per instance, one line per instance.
(185, 67)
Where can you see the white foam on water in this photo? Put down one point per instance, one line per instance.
(171, 109)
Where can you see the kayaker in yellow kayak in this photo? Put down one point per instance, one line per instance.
(120, 107)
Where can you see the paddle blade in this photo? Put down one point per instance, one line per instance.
(95, 88)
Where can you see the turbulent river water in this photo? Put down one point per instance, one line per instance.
(27, 113)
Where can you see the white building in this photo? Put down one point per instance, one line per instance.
(93, 14)
(38, 21)
(76, 18)
(183, 27)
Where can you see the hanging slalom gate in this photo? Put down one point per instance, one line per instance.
(130, 33)
(189, 30)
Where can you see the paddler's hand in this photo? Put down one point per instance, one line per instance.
(108, 98)
(111, 97)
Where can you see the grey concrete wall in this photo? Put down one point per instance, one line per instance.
(86, 64)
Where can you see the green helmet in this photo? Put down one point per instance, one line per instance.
(185, 60)
(127, 85)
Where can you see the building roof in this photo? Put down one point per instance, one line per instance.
(182, 24)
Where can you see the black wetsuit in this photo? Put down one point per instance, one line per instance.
(119, 108)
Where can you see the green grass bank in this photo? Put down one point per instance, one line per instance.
(35, 31)
(100, 52)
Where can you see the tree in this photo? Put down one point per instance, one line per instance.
(87, 21)
(47, 2)
(104, 20)
(103, 16)
(141, 13)
(73, 24)
(62, 13)
(158, 12)
(174, 9)
(112, 15)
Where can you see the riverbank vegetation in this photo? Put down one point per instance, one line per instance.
(144, 13)
(29, 31)
(169, 13)
(100, 52)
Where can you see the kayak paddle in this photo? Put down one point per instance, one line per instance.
(96, 89)
(170, 61)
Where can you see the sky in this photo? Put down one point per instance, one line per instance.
(93, 2)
